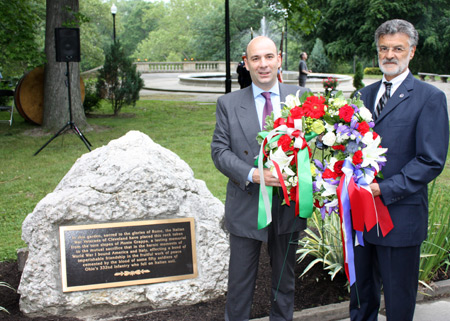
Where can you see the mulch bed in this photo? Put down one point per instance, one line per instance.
(313, 289)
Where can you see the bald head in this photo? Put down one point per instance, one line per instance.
(258, 41)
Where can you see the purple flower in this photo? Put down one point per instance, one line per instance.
(352, 147)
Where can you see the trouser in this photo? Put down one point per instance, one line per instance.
(243, 271)
(396, 269)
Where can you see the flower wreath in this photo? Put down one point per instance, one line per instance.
(337, 183)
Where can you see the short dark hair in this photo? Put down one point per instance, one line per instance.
(391, 27)
(302, 55)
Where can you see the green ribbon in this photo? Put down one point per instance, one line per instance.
(304, 185)
(305, 202)
(262, 217)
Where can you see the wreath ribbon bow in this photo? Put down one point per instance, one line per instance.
(358, 208)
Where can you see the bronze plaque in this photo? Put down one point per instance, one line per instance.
(110, 255)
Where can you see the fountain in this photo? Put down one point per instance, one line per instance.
(268, 29)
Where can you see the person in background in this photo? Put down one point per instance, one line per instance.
(239, 118)
(244, 78)
(303, 70)
(412, 119)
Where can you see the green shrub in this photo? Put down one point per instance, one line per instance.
(118, 81)
(91, 98)
(318, 59)
(325, 244)
(372, 71)
(435, 253)
(357, 79)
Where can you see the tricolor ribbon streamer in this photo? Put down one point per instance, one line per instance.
(304, 195)
(358, 208)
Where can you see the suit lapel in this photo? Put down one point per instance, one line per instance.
(370, 102)
(400, 95)
(248, 119)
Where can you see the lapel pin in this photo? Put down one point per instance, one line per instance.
(402, 95)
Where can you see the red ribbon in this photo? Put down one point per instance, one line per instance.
(365, 212)
(280, 175)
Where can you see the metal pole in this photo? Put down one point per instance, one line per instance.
(227, 48)
(114, 27)
(285, 46)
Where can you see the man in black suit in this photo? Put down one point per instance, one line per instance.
(412, 119)
(234, 148)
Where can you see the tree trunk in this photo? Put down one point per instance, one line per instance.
(56, 96)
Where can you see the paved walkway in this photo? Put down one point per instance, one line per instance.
(435, 307)
(165, 86)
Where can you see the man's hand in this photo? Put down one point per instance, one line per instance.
(269, 179)
(375, 189)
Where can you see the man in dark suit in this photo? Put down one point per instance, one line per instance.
(412, 119)
(234, 148)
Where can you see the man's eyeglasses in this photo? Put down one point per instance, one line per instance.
(396, 50)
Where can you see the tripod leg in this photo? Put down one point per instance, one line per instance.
(80, 134)
(54, 136)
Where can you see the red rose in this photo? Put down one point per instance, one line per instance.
(345, 113)
(363, 128)
(328, 173)
(338, 168)
(375, 135)
(357, 157)
(297, 112)
(285, 143)
(339, 147)
(314, 107)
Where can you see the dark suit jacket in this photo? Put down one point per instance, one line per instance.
(233, 150)
(414, 127)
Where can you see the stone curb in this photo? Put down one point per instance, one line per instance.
(340, 311)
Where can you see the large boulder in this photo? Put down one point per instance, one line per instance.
(131, 179)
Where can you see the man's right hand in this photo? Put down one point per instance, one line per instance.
(269, 179)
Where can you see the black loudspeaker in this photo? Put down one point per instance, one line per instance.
(67, 44)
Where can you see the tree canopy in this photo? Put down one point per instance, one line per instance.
(22, 28)
(347, 27)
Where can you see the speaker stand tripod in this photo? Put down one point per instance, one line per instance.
(70, 124)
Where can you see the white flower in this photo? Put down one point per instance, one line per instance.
(342, 138)
(292, 181)
(332, 204)
(329, 127)
(368, 138)
(372, 154)
(365, 114)
(338, 102)
(282, 160)
(330, 189)
(329, 139)
(331, 163)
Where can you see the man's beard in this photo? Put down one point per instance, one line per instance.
(401, 66)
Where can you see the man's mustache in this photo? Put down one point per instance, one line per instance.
(393, 60)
